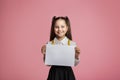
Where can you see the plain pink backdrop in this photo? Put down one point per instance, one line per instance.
(25, 27)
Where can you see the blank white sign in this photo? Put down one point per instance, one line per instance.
(62, 55)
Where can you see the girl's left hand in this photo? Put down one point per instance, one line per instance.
(77, 52)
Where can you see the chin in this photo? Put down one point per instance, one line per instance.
(60, 36)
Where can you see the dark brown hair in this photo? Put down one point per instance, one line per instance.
(67, 21)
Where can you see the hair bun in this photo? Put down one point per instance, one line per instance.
(54, 17)
(67, 18)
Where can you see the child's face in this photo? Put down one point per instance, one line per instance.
(60, 28)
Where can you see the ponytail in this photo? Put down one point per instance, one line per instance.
(52, 34)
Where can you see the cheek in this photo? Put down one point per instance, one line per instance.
(55, 29)
(65, 29)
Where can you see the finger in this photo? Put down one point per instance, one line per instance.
(44, 50)
(41, 50)
(78, 52)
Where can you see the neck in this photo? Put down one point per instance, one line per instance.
(60, 38)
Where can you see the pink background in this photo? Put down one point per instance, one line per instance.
(25, 27)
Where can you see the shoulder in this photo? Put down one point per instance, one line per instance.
(72, 43)
(49, 42)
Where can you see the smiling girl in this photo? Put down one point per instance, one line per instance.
(61, 35)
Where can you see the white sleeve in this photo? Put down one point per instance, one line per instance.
(49, 42)
(77, 61)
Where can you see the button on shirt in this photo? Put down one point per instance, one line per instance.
(64, 41)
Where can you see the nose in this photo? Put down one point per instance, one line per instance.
(59, 28)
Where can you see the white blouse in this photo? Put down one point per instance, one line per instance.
(65, 42)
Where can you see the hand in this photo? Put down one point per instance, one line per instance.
(43, 49)
(77, 52)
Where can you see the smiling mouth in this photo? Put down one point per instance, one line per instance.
(59, 32)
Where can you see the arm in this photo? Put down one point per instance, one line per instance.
(43, 50)
(77, 53)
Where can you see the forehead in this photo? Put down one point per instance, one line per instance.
(60, 22)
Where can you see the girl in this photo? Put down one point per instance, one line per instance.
(61, 35)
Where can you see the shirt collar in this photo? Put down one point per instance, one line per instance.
(63, 41)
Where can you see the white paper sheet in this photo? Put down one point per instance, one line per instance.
(62, 55)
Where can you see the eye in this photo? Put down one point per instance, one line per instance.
(56, 26)
(62, 26)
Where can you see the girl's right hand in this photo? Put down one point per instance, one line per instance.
(77, 52)
(43, 49)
